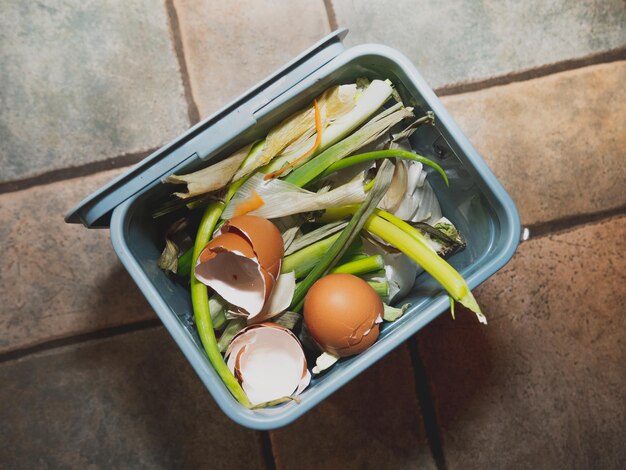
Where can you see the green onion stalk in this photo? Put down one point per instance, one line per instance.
(304, 260)
(360, 266)
(200, 302)
(372, 156)
(359, 217)
(381, 288)
(412, 243)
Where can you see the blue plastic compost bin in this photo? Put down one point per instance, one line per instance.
(475, 202)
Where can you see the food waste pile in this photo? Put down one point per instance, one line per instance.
(302, 244)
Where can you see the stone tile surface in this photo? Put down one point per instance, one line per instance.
(131, 401)
(557, 144)
(231, 46)
(543, 385)
(83, 81)
(453, 41)
(372, 422)
(58, 279)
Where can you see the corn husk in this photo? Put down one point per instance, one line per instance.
(393, 313)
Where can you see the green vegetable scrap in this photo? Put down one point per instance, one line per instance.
(297, 205)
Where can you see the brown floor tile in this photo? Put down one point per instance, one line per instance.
(83, 82)
(543, 384)
(127, 402)
(372, 422)
(456, 41)
(231, 46)
(59, 279)
(557, 144)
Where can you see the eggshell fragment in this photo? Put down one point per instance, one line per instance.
(242, 264)
(280, 298)
(229, 266)
(269, 362)
(341, 313)
(264, 237)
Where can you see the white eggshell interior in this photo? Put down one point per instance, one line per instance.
(272, 365)
(236, 278)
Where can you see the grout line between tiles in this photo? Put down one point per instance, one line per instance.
(74, 171)
(332, 15)
(267, 450)
(603, 57)
(192, 107)
(131, 158)
(78, 339)
(429, 415)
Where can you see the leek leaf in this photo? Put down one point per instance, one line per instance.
(371, 131)
(314, 236)
(370, 101)
(211, 178)
(372, 156)
(339, 247)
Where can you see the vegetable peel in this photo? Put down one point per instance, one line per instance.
(316, 144)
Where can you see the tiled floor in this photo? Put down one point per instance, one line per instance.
(89, 378)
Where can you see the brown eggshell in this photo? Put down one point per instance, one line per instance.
(227, 242)
(341, 312)
(229, 265)
(265, 238)
(268, 361)
(269, 283)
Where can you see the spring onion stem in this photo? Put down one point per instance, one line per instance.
(381, 288)
(302, 261)
(371, 156)
(361, 266)
(200, 302)
(184, 263)
(234, 187)
(216, 304)
(346, 236)
(305, 259)
(233, 327)
(413, 244)
(217, 309)
(406, 240)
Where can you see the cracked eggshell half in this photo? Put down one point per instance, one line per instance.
(264, 237)
(342, 313)
(269, 362)
(229, 266)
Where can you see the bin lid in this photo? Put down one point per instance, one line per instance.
(206, 137)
